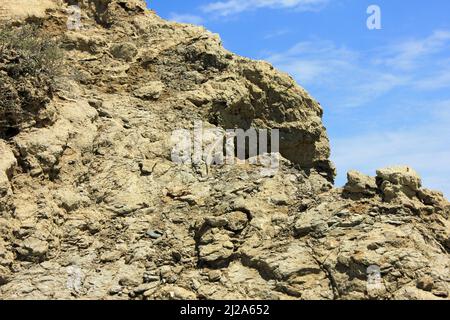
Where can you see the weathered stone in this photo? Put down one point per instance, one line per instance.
(425, 283)
(7, 163)
(126, 51)
(237, 220)
(358, 183)
(316, 228)
(214, 275)
(216, 222)
(89, 184)
(177, 293)
(69, 200)
(395, 180)
(24, 8)
(129, 280)
(432, 198)
(151, 91)
(215, 247)
(145, 287)
(147, 166)
(33, 249)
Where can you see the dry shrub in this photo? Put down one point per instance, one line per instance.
(29, 64)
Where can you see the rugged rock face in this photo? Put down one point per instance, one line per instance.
(91, 205)
(17, 9)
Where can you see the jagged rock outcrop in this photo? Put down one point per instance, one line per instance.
(91, 205)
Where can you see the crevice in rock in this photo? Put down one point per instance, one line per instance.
(263, 268)
(328, 273)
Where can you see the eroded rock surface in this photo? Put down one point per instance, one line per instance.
(17, 9)
(91, 205)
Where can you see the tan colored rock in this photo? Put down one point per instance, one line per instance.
(358, 183)
(14, 9)
(402, 175)
(96, 197)
(126, 51)
(237, 220)
(148, 166)
(84, 42)
(425, 283)
(432, 198)
(7, 163)
(402, 179)
(215, 247)
(33, 249)
(177, 293)
(151, 91)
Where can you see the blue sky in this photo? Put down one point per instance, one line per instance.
(386, 93)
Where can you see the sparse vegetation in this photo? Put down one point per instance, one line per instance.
(29, 63)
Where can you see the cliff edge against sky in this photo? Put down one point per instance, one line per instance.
(92, 205)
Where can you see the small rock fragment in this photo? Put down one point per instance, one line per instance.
(152, 91)
(425, 283)
(155, 234)
(214, 275)
(237, 220)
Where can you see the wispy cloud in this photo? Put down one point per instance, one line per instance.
(186, 18)
(311, 61)
(322, 64)
(277, 33)
(359, 77)
(437, 80)
(413, 53)
(227, 8)
(407, 129)
(230, 7)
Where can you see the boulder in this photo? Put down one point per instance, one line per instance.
(397, 180)
(360, 184)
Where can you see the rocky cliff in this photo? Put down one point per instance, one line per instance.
(92, 205)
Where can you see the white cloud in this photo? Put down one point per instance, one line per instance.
(360, 77)
(323, 64)
(229, 7)
(311, 61)
(371, 86)
(409, 54)
(277, 34)
(439, 80)
(186, 18)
